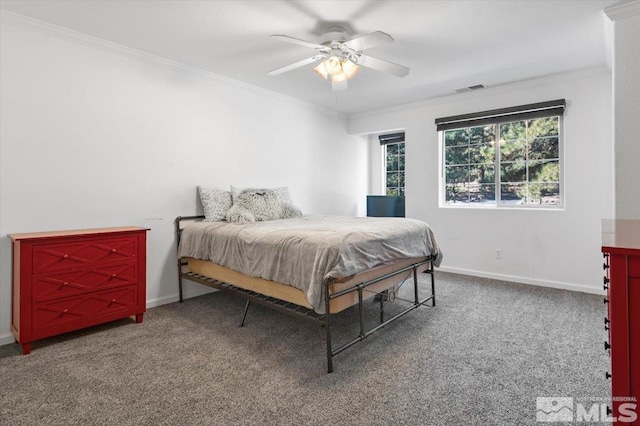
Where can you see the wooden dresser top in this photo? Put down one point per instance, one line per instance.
(74, 232)
(621, 233)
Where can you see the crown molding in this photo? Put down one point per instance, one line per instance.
(623, 10)
(25, 22)
(585, 73)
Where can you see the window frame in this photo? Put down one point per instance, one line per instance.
(385, 141)
(514, 114)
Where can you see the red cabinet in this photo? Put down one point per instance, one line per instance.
(621, 248)
(67, 280)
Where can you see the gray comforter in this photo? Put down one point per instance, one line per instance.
(304, 251)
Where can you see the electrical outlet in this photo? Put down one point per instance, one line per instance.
(499, 254)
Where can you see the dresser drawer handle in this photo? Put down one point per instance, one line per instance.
(64, 311)
(113, 250)
(113, 275)
(65, 256)
(65, 283)
(113, 300)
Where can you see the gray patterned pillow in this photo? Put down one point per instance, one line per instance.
(215, 203)
(255, 205)
(282, 192)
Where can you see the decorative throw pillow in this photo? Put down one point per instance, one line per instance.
(255, 205)
(215, 203)
(282, 192)
(290, 210)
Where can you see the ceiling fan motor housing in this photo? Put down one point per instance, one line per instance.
(334, 34)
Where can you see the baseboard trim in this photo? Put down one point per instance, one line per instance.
(523, 280)
(152, 303)
(6, 338)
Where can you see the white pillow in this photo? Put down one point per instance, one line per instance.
(215, 203)
(282, 192)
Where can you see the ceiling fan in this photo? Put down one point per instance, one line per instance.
(342, 56)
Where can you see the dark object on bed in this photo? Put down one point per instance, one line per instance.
(338, 294)
(385, 206)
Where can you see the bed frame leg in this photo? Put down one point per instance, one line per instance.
(433, 284)
(381, 298)
(180, 280)
(244, 314)
(327, 327)
(415, 285)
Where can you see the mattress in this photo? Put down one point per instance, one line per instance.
(305, 252)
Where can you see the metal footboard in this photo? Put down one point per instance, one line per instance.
(297, 311)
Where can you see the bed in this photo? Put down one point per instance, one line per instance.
(310, 267)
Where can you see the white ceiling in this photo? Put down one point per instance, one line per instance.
(448, 45)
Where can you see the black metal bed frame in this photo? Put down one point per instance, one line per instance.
(297, 311)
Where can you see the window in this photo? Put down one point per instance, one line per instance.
(393, 155)
(505, 158)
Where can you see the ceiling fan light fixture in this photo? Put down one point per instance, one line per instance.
(333, 65)
(339, 69)
(349, 68)
(321, 71)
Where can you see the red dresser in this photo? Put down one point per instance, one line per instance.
(621, 248)
(67, 280)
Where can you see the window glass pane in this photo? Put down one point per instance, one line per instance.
(456, 137)
(544, 193)
(401, 180)
(482, 194)
(457, 155)
(457, 174)
(482, 153)
(513, 150)
(482, 173)
(393, 191)
(392, 149)
(513, 172)
(392, 163)
(514, 130)
(544, 171)
(513, 193)
(401, 163)
(482, 134)
(547, 126)
(401, 148)
(392, 179)
(544, 148)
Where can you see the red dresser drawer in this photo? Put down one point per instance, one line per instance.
(73, 312)
(57, 256)
(59, 284)
(634, 266)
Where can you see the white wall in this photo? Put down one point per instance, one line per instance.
(552, 248)
(626, 87)
(92, 138)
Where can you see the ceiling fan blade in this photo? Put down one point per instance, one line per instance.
(295, 65)
(381, 65)
(338, 86)
(368, 41)
(300, 42)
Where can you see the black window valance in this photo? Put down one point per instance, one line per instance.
(502, 115)
(391, 138)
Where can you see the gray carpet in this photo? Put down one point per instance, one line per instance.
(481, 357)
